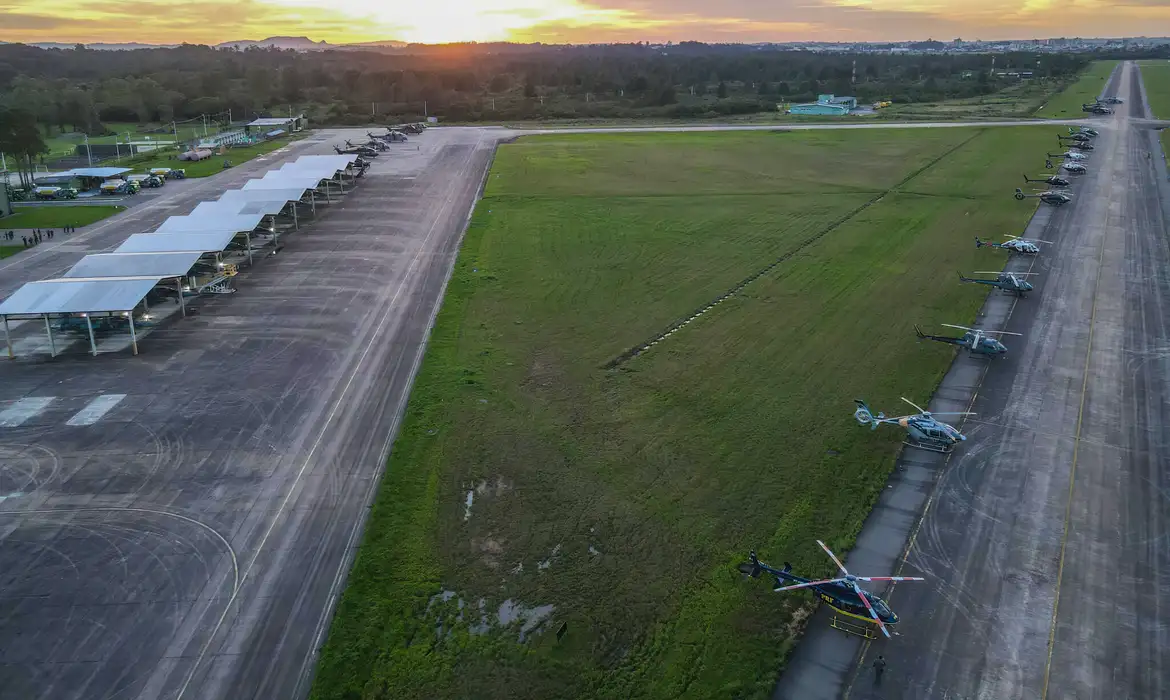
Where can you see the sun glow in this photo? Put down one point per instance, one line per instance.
(444, 21)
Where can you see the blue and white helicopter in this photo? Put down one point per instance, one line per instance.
(922, 429)
(842, 594)
(1014, 244)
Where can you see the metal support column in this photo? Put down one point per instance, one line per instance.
(248, 240)
(296, 224)
(8, 339)
(182, 302)
(145, 306)
(49, 330)
(133, 335)
(92, 342)
(328, 199)
(313, 202)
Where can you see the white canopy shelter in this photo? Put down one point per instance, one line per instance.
(203, 242)
(84, 296)
(163, 265)
(216, 219)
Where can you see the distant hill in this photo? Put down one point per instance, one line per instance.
(102, 46)
(297, 43)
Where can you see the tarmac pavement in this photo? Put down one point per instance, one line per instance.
(1044, 538)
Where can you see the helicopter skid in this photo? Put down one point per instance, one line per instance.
(942, 448)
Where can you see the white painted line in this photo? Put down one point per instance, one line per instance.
(95, 409)
(22, 410)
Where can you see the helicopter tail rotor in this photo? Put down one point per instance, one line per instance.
(1019, 193)
(864, 416)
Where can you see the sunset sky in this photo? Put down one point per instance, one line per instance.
(575, 21)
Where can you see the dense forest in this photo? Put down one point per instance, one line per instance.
(80, 89)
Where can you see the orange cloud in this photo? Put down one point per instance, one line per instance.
(572, 21)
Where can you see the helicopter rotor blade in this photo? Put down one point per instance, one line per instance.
(920, 409)
(808, 584)
(999, 333)
(889, 578)
(872, 612)
(964, 328)
(834, 558)
(955, 413)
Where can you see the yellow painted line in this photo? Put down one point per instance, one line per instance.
(1072, 477)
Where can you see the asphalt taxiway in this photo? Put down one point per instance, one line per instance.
(178, 524)
(1044, 540)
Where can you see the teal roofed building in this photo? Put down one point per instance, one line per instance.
(826, 105)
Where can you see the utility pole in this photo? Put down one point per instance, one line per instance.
(175, 128)
(88, 152)
(425, 112)
(117, 150)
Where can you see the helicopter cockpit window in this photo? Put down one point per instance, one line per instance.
(880, 607)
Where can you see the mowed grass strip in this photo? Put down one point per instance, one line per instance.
(1067, 104)
(524, 475)
(1156, 80)
(56, 216)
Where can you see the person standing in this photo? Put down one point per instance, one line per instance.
(24, 239)
(879, 667)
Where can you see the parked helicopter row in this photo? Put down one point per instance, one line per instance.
(924, 429)
(378, 143)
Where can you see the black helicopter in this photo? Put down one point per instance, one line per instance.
(1076, 143)
(1084, 131)
(1049, 197)
(841, 594)
(1009, 282)
(1053, 180)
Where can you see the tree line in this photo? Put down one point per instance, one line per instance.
(81, 89)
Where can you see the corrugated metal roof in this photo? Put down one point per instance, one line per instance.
(216, 219)
(98, 172)
(283, 180)
(135, 264)
(204, 242)
(344, 158)
(291, 194)
(77, 296)
(270, 121)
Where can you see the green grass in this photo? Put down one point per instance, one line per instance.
(625, 497)
(1017, 100)
(1067, 104)
(56, 216)
(8, 250)
(203, 168)
(1156, 79)
(65, 144)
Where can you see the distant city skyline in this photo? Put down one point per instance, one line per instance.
(577, 21)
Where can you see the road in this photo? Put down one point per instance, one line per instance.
(1044, 542)
(178, 524)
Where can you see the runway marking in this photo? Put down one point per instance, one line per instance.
(24, 409)
(95, 409)
(389, 306)
(1072, 477)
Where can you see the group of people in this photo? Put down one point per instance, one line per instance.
(37, 235)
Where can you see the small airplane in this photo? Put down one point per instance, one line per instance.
(977, 342)
(922, 430)
(1073, 167)
(1022, 246)
(1069, 155)
(1084, 130)
(1009, 282)
(1049, 197)
(1081, 145)
(1049, 180)
(841, 594)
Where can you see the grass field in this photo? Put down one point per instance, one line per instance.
(1067, 104)
(1156, 79)
(65, 144)
(7, 250)
(530, 488)
(55, 217)
(1017, 100)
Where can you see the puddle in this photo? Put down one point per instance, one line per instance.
(467, 507)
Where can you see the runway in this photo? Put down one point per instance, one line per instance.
(1044, 542)
(179, 524)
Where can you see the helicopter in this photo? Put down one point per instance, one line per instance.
(1069, 155)
(1096, 108)
(841, 594)
(1081, 145)
(976, 341)
(362, 151)
(922, 430)
(1087, 131)
(1082, 136)
(372, 143)
(1112, 100)
(1009, 282)
(1053, 197)
(1073, 167)
(1049, 180)
(1022, 246)
(390, 136)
